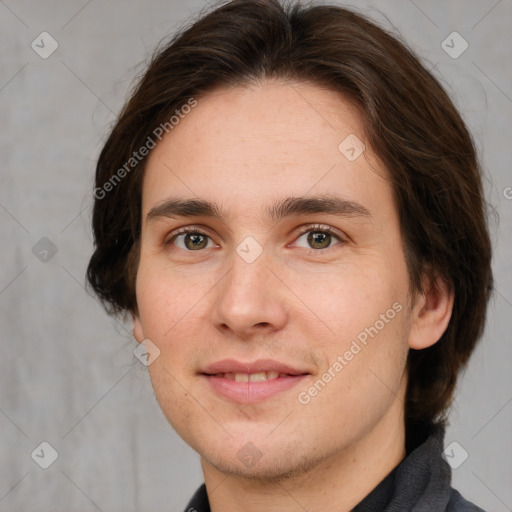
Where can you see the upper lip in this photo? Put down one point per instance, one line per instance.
(260, 365)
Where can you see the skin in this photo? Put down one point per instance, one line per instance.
(245, 148)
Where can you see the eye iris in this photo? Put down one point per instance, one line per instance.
(195, 241)
(319, 240)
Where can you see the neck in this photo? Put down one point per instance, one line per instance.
(338, 483)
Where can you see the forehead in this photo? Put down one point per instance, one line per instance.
(241, 145)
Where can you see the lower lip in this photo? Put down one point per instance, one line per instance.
(250, 392)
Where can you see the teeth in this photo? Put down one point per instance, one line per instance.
(257, 377)
(252, 377)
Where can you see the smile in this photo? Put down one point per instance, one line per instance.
(251, 377)
(246, 382)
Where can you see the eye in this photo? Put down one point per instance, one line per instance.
(190, 240)
(318, 237)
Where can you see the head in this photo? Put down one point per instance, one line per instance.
(336, 199)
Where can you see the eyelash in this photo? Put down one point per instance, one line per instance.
(317, 228)
(320, 228)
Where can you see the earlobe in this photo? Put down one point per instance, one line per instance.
(137, 331)
(431, 314)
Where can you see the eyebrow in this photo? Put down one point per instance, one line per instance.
(281, 209)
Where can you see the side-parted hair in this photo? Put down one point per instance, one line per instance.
(408, 120)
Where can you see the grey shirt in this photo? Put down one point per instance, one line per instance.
(420, 483)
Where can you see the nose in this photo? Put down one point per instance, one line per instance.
(250, 300)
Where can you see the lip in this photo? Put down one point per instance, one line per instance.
(251, 392)
(260, 365)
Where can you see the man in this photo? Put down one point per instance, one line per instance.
(290, 208)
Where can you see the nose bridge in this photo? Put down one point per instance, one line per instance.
(249, 296)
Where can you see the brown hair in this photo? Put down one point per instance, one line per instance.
(409, 121)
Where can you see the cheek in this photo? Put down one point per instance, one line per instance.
(354, 296)
(365, 353)
(169, 310)
(166, 299)
(364, 360)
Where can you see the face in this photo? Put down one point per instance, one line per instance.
(278, 298)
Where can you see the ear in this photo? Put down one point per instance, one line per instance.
(431, 313)
(138, 334)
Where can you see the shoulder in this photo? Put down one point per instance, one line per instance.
(458, 504)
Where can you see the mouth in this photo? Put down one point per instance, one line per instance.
(251, 382)
(251, 377)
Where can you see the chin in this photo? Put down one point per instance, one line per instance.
(271, 464)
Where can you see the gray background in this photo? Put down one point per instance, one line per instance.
(68, 374)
